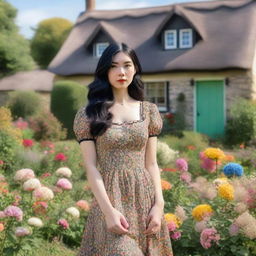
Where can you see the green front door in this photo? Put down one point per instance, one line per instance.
(210, 119)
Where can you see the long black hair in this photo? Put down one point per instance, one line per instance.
(100, 95)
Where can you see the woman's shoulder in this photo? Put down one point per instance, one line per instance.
(149, 105)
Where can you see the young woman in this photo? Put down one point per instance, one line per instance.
(117, 132)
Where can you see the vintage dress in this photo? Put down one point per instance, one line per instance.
(120, 161)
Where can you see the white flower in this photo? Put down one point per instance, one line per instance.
(31, 184)
(165, 155)
(74, 212)
(34, 221)
(64, 171)
(22, 231)
(43, 193)
(24, 174)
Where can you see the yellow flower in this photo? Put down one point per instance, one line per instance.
(201, 211)
(214, 153)
(165, 185)
(226, 191)
(172, 217)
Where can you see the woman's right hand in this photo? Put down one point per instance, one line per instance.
(116, 222)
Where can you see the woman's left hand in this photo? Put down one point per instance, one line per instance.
(154, 220)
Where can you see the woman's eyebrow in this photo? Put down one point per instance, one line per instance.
(113, 62)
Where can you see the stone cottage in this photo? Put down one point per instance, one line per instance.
(199, 53)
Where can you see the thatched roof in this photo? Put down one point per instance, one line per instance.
(36, 80)
(226, 30)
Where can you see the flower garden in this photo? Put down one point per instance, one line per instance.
(209, 192)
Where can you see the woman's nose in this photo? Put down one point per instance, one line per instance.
(121, 71)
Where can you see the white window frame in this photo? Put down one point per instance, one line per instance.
(181, 45)
(161, 108)
(97, 46)
(166, 46)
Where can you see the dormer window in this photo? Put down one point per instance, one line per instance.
(170, 39)
(99, 48)
(185, 38)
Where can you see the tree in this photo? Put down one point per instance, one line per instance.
(14, 48)
(48, 38)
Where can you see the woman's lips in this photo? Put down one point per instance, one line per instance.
(121, 80)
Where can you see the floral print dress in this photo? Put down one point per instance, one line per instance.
(121, 163)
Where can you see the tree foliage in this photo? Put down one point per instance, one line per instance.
(14, 48)
(49, 36)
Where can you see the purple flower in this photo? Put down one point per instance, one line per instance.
(182, 164)
(14, 211)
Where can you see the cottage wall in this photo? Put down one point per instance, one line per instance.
(240, 84)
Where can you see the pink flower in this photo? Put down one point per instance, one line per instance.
(233, 230)
(21, 124)
(63, 223)
(207, 163)
(64, 184)
(185, 176)
(176, 235)
(14, 211)
(27, 143)
(182, 164)
(171, 226)
(83, 205)
(2, 215)
(60, 157)
(208, 236)
(1, 162)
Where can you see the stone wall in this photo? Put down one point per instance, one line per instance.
(240, 85)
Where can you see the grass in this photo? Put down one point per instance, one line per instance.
(54, 249)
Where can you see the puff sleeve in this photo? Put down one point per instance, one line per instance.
(81, 126)
(155, 121)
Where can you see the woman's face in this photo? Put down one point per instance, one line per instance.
(121, 72)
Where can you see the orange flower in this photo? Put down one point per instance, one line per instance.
(191, 147)
(229, 158)
(242, 146)
(3, 187)
(1, 227)
(165, 185)
(169, 170)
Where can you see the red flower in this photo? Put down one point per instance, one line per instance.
(60, 157)
(1, 162)
(46, 174)
(27, 143)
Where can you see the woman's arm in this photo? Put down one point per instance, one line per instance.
(94, 177)
(152, 166)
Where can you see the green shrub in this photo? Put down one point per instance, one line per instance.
(8, 146)
(66, 98)
(187, 141)
(241, 127)
(46, 127)
(24, 103)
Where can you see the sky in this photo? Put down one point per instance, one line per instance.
(31, 12)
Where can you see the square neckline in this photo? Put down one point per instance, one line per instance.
(133, 121)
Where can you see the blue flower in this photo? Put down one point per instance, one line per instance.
(232, 169)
